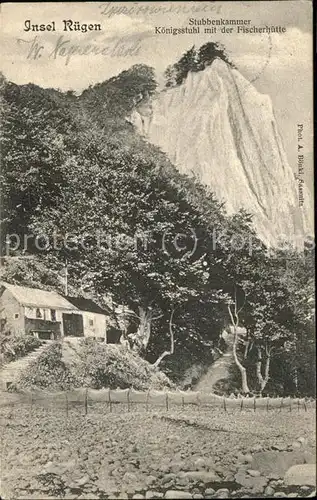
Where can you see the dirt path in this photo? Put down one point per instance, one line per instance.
(218, 371)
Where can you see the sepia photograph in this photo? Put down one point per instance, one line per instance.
(157, 289)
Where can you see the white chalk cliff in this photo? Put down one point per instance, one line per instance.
(218, 127)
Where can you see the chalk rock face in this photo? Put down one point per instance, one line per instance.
(219, 128)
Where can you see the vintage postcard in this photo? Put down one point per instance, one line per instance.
(157, 303)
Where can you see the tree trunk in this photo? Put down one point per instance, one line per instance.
(296, 379)
(262, 381)
(242, 369)
(244, 380)
(144, 331)
(171, 351)
(235, 323)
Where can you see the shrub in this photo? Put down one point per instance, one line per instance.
(48, 371)
(98, 365)
(15, 347)
(114, 366)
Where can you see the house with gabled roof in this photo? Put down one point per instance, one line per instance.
(50, 315)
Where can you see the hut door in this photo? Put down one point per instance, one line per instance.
(73, 325)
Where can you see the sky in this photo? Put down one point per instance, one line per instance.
(279, 65)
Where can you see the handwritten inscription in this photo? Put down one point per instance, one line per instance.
(110, 9)
(65, 49)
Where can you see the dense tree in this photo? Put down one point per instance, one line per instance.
(177, 73)
(209, 52)
(295, 366)
(274, 305)
(194, 60)
(116, 97)
(37, 129)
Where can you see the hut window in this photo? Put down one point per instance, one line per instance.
(91, 322)
(16, 315)
(38, 313)
(53, 314)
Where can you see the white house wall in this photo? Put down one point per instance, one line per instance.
(30, 313)
(96, 329)
(95, 325)
(12, 312)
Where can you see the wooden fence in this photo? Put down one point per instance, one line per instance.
(132, 399)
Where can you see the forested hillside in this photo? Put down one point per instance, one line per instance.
(80, 185)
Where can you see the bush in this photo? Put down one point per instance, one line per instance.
(48, 371)
(108, 365)
(13, 347)
(98, 365)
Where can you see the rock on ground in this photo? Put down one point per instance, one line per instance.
(277, 462)
(175, 494)
(301, 475)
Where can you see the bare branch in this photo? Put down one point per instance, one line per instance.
(131, 313)
(246, 349)
(244, 300)
(231, 316)
(266, 349)
(235, 307)
(158, 317)
(267, 369)
(235, 301)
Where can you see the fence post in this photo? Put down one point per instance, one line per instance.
(281, 405)
(86, 401)
(128, 399)
(66, 400)
(166, 401)
(254, 404)
(241, 405)
(31, 402)
(290, 405)
(267, 404)
(305, 405)
(109, 401)
(198, 400)
(183, 402)
(298, 404)
(224, 403)
(147, 399)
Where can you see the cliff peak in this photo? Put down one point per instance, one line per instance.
(218, 127)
